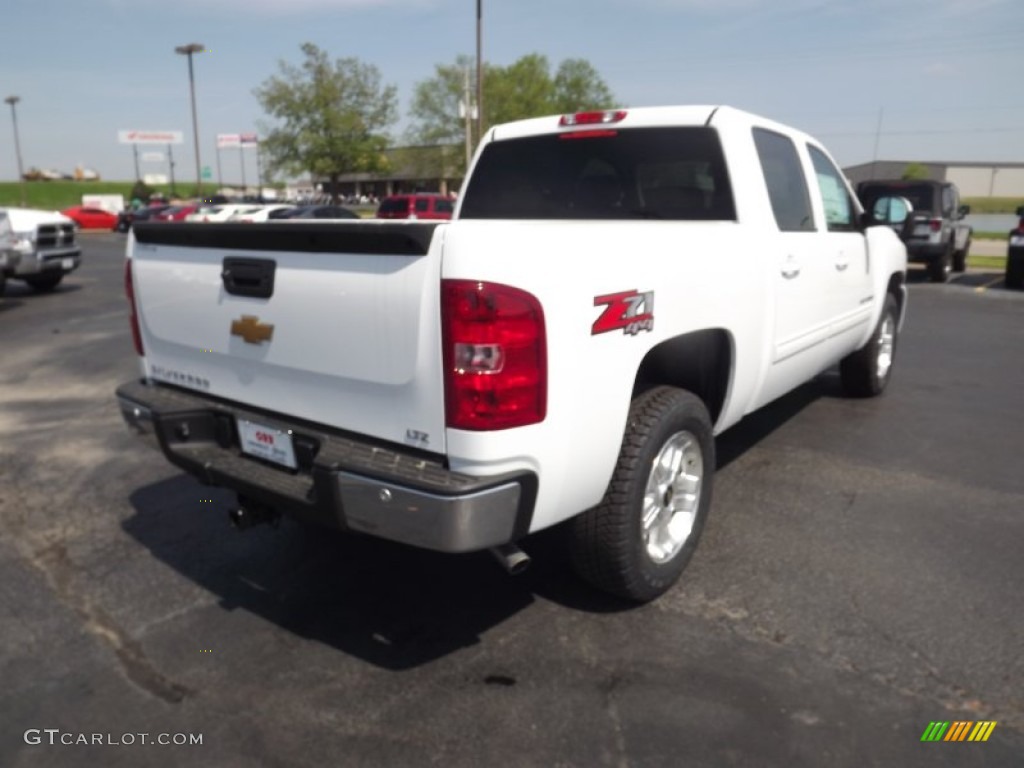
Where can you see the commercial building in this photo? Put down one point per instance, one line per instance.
(972, 179)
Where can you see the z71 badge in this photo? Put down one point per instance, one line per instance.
(631, 311)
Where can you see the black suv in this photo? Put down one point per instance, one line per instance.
(1015, 254)
(934, 233)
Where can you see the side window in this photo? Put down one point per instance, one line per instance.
(422, 205)
(787, 187)
(948, 202)
(839, 211)
(444, 206)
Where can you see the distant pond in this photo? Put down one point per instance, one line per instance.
(992, 222)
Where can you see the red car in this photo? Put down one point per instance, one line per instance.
(87, 217)
(419, 205)
(175, 213)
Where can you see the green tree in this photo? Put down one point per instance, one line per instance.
(579, 87)
(332, 117)
(525, 88)
(914, 172)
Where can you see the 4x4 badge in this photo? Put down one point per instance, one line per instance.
(631, 311)
(251, 329)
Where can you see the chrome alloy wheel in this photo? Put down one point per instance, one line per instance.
(672, 496)
(886, 343)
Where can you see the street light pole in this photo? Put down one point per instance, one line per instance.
(188, 50)
(479, 74)
(170, 158)
(12, 100)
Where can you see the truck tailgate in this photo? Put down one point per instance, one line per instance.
(337, 323)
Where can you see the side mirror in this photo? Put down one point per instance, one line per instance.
(1020, 211)
(893, 211)
(962, 211)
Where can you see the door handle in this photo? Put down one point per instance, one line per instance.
(790, 269)
(842, 265)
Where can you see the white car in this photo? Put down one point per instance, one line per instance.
(257, 213)
(221, 212)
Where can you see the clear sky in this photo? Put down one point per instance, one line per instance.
(944, 75)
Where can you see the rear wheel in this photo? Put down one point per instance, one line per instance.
(637, 541)
(940, 268)
(866, 372)
(45, 283)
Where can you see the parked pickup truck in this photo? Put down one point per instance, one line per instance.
(44, 242)
(614, 290)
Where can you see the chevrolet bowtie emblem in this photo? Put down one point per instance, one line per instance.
(251, 329)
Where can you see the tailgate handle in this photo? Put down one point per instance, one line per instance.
(249, 277)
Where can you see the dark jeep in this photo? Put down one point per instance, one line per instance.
(934, 233)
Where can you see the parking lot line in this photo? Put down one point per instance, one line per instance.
(986, 286)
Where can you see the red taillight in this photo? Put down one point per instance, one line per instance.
(495, 357)
(593, 118)
(935, 225)
(133, 318)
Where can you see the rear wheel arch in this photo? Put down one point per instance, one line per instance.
(700, 362)
(897, 287)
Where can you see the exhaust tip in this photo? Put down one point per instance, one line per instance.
(511, 558)
(250, 513)
(239, 518)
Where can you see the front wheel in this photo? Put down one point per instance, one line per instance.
(960, 257)
(866, 372)
(45, 283)
(1014, 277)
(639, 539)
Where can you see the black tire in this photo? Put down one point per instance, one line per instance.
(861, 371)
(1014, 273)
(46, 283)
(607, 543)
(940, 268)
(960, 257)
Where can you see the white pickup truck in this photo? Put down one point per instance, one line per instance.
(614, 289)
(42, 245)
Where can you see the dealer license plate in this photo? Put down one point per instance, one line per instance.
(1017, 240)
(67, 264)
(267, 443)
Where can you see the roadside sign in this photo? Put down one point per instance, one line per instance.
(248, 140)
(228, 140)
(153, 157)
(150, 137)
(207, 172)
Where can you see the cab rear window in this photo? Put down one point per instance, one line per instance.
(636, 173)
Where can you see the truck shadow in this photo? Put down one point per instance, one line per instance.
(737, 440)
(393, 606)
(991, 279)
(22, 290)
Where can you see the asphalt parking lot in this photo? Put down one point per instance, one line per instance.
(860, 577)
